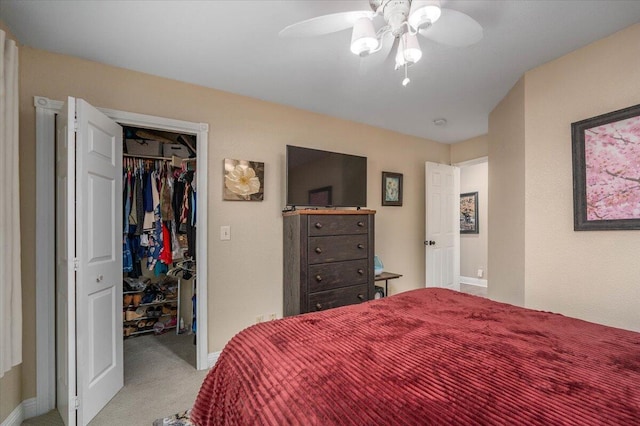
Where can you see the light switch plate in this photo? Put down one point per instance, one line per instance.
(225, 232)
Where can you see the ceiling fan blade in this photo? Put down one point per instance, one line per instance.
(454, 29)
(325, 24)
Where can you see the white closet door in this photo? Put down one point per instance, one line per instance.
(95, 232)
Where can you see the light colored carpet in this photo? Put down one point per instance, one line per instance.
(159, 380)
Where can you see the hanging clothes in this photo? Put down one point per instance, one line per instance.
(133, 216)
(166, 256)
(159, 202)
(166, 206)
(177, 201)
(148, 201)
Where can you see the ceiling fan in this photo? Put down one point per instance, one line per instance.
(403, 21)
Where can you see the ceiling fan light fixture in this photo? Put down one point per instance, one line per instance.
(408, 50)
(412, 52)
(424, 12)
(363, 38)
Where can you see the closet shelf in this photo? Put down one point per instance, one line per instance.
(166, 301)
(149, 318)
(175, 161)
(133, 333)
(147, 157)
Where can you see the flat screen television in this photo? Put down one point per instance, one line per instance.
(318, 178)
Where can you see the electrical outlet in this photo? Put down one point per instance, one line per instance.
(259, 319)
(272, 317)
(480, 273)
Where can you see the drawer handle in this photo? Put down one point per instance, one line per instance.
(360, 246)
(361, 297)
(360, 224)
(318, 250)
(361, 271)
(318, 225)
(318, 306)
(318, 278)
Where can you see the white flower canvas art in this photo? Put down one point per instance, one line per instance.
(243, 180)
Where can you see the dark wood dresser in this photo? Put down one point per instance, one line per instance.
(328, 259)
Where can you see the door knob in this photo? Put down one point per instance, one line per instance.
(99, 278)
(430, 243)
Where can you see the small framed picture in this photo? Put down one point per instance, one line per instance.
(243, 180)
(469, 213)
(391, 189)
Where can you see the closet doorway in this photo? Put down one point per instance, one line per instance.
(159, 170)
(46, 111)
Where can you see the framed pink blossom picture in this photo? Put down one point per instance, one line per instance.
(606, 171)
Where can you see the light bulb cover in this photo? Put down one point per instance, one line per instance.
(412, 52)
(363, 38)
(408, 50)
(424, 12)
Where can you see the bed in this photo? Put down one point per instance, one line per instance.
(425, 357)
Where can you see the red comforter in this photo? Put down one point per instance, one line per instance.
(425, 357)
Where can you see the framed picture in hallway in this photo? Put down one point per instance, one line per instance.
(391, 189)
(469, 213)
(606, 171)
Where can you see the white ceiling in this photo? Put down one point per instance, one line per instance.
(234, 46)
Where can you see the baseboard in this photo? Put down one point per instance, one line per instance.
(30, 408)
(25, 410)
(473, 281)
(212, 358)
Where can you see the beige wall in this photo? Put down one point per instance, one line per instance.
(245, 273)
(473, 247)
(507, 198)
(470, 149)
(10, 391)
(594, 275)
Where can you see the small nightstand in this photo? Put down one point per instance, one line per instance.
(386, 276)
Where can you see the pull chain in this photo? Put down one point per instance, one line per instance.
(406, 76)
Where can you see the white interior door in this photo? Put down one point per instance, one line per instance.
(65, 273)
(94, 236)
(442, 230)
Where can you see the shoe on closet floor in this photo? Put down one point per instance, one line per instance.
(127, 299)
(136, 300)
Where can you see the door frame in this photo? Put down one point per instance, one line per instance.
(46, 110)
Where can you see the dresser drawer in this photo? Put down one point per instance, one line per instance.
(328, 224)
(337, 248)
(338, 297)
(326, 276)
